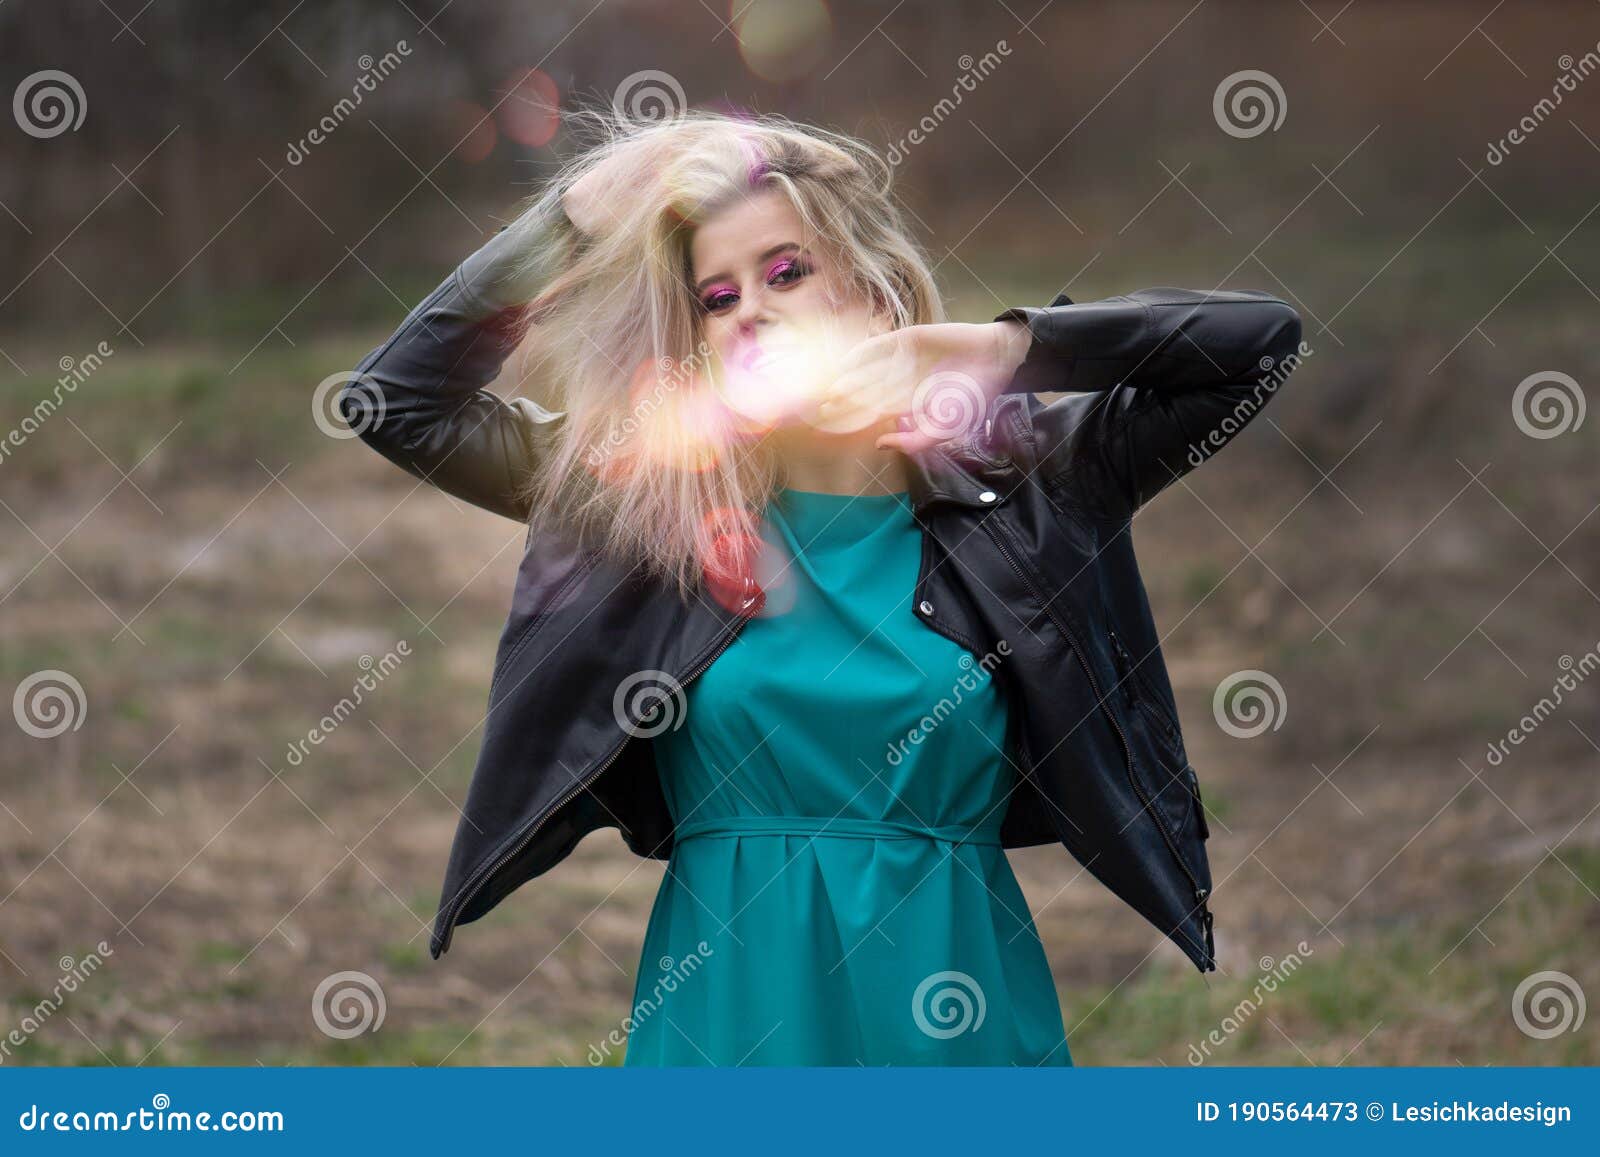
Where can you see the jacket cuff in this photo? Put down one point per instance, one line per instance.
(1046, 367)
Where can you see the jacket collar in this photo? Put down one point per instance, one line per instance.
(945, 472)
(934, 475)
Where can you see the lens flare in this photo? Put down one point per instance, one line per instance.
(729, 563)
(782, 40)
(530, 114)
(782, 375)
(673, 420)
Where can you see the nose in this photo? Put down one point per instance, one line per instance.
(753, 309)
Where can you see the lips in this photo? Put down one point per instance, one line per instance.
(758, 358)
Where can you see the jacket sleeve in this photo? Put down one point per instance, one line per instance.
(1158, 380)
(420, 398)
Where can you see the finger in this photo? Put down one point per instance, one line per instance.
(861, 393)
(865, 359)
(844, 416)
(907, 442)
(850, 387)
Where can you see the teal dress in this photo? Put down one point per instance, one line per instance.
(837, 893)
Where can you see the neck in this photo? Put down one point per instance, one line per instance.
(839, 463)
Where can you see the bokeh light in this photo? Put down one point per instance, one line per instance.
(530, 111)
(782, 40)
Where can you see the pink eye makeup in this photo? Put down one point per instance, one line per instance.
(788, 270)
(718, 298)
(782, 273)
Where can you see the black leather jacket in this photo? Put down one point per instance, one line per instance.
(1026, 538)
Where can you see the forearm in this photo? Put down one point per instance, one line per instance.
(420, 400)
(453, 343)
(1164, 339)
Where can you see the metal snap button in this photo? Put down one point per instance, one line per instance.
(987, 496)
(925, 607)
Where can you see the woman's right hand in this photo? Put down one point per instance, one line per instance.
(605, 195)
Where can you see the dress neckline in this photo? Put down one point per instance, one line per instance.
(825, 494)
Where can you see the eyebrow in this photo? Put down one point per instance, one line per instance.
(700, 285)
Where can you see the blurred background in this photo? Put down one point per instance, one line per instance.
(1379, 606)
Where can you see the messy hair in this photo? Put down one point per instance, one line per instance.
(641, 461)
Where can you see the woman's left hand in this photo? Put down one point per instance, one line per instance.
(942, 377)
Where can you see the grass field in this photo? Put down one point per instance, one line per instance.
(212, 569)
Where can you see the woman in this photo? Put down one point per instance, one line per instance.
(864, 602)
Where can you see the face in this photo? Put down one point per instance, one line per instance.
(773, 313)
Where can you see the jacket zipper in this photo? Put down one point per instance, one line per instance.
(487, 874)
(1147, 699)
(1140, 689)
(1127, 749)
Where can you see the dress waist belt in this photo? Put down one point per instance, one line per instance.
(839, 827)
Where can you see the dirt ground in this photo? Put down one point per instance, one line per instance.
(1413, 604)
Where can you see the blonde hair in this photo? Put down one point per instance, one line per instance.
(664, 477)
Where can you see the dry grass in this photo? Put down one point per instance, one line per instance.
(229, 883)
